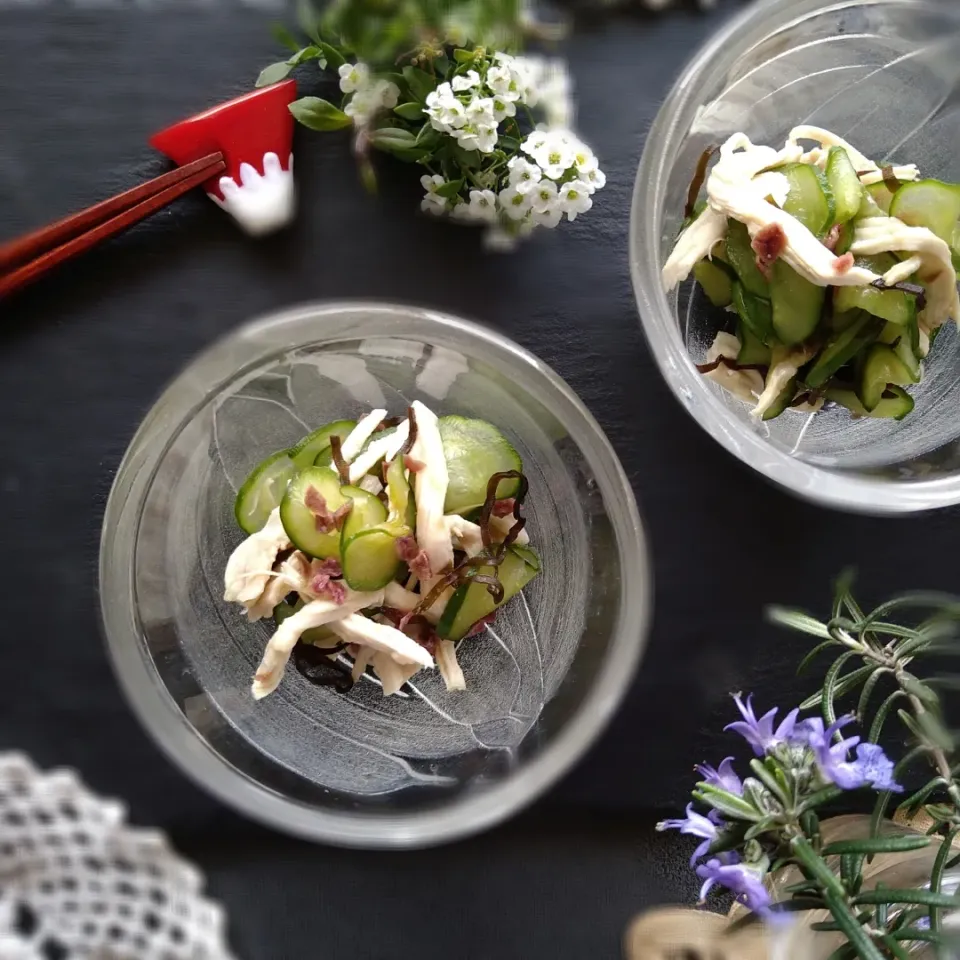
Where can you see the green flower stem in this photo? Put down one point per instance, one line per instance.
(835, 897)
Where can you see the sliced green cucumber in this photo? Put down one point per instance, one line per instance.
(528, 555)
(931, 204)
(716, 283)
(895, 403)
(367, 512)
(894, 306)
(475, 450)
(743, 259)
(300, 522)
(881, 196)
(810, 199)
(797, 304)
(304, 454)
(846, 186)
(881, 368)
(472, 601)
(783, 401)
(845, 241)
(370, 560)
(755, 313)
(753, 351)
(841, 348)
(402, 503)
(905, 341)
(262, 491)
(869, 208)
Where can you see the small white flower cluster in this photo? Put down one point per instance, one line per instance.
(370, 96)
(470, 107)
(560, 177)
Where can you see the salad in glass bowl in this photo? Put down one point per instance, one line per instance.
(836, 273)
(377, 545)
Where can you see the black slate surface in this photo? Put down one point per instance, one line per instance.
(83, 355)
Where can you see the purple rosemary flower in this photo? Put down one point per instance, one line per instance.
(872, 768)
(760, 734)
(745, 881)
(722, 777)
(695, 825)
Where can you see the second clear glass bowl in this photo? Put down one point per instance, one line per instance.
(883, 74)
(360, 769)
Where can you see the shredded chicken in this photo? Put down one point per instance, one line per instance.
(396, 596)
(392, 675)
(870, 172)
(362, 657)
(292, 576)
(695, 243)
(747, 385)
(360, 434)
(430, 488)
(468, 538)
(449, 667)
(386, 448)
(317, 613)
(370, 484)
(785, 366)
(382, 637)
(936, 271)
(250, 566)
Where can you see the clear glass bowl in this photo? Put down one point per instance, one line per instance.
(883, 74)
(360, 769)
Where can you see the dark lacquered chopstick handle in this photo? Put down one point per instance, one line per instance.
(33, 255)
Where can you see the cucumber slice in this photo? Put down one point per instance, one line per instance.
(367, 512)
(895, 403)
(894, 306)
(841, 348)
(881, 198)
(783, 401)
(743, 259)
(810, 199)
(845, 242)
(716, 283)
(474, 451)
(472, 601)
(304, 454)
(753, 351)
(881, 368)
(931, 204)
(401, 498)
(369, 559)
(797, 304)
(905, 341)
(299, 521)
(262, 491)
(528, 555)
(846, 186)
(755, 313)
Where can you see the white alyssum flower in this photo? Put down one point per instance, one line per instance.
(369, 99)
(503, 108)
(483, 206)
(523, 174)
(595, 179)
(502, 80)
(553, 153)
(514, 202)
(480, 112)
(445, 111)
(574, 198)
(545, 204)
(482, 137)
(432, 202)
(353, 76)
(466, 81)
(554, 93)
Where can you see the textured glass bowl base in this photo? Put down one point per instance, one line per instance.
(885, 76)
(358, 768)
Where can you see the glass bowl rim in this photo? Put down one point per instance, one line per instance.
(177, 738)
(831, 488)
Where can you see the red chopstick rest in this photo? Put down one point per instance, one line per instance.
(255, 134)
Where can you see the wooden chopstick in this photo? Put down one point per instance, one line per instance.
(26, 259)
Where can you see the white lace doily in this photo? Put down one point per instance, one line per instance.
(77, 882)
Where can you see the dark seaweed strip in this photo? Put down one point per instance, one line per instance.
(336, 451)
(697, 182)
